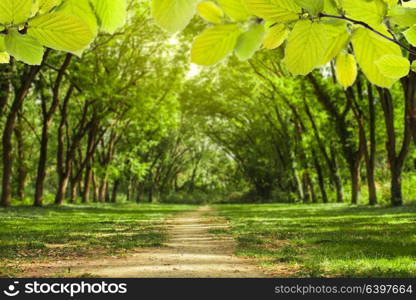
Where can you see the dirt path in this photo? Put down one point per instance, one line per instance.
(191, 252)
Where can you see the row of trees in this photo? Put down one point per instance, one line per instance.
(129, 119)
(307, 138)
(94, 127)
(367, 46)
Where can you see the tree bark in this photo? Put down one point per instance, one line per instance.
(371, 159)
(22, 170)
(62, 187)
(321, 178)
(115, 190)
(395, 160)
(74, 191)
(26, 82)
(47, 119)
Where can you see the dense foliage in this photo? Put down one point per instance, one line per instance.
(116, 112)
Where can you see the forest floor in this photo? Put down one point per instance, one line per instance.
(247, 240)
(326, 240)
(35, 237)
(190, 251)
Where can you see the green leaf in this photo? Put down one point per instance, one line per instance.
(46, 6)
(173, 15)
(371, 12)
(346, 69)
(60, 31)
(306, 47)
(410, 35)
(403, 16)
(81, 9)
(413, 66)
(312, 6)
(330, 7)
(24, 47)
(274, 10)
(214, 44)
(275, 36)
(368, 48)
(2, 45)
(15, 11)
(393, 66)
(210, 12)
(337, 39)
(111, 14)
(235, 9)
(4, 58)
(249, 42)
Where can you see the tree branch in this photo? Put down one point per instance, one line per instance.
(393, 40)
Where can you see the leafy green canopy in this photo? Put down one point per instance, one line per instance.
(314, 32)
(27, 26)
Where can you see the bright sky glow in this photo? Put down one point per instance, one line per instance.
(194, 70)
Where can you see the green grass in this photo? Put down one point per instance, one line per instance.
(327, 240)
(36, 234)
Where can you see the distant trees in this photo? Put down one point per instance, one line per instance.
(126, 118)
(365, 45)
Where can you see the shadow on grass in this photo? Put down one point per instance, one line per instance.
(53, 232)
(328, 240)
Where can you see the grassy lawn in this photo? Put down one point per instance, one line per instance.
(37, 234)
(327, 240)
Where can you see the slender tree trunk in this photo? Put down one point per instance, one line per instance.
(62, 187)
(5, 87)
(40, 179)
(102, 195)
(321, 179)
(87, 184)
(355, 182)
(115, 190)
(26, 82)
(47, 119)
(150, 195)
(337, 180)
(21, 163)
(96, 188)
(305, 188)
(107, 191)
(396, 186)
(371, 160)
(74, 190)
(395, 161)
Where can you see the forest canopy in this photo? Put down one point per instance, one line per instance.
(348, 31)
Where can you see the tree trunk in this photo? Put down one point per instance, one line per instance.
(395, 161)
(115, 190)
(321, 180)
(371, 161)
(74, 191)
(337, 180)
(62, 187)
(96, 188)
(27, 79)
(43, 155)
(305, 188)
(5, 87)
(47, 119)
(21, 163)
(150, 195)
(87, 184)
(396, 187)
(355, 183)
(102, 194)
